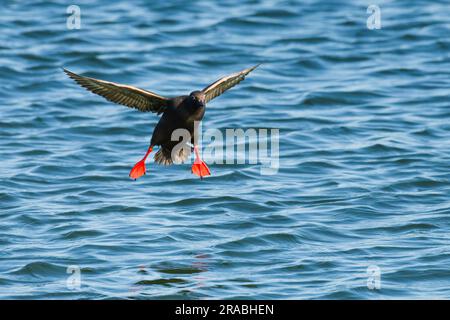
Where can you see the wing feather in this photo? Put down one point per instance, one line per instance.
(129, 96)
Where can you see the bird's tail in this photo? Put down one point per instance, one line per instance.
(164, 155)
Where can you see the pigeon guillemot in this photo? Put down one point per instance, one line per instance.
(178, 113)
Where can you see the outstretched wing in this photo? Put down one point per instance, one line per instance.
(129, 96)
(220, 86)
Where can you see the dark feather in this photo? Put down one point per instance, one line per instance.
(129, 96)
(215, 89)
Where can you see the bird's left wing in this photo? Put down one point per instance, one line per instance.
(129, 96)
(220, 86)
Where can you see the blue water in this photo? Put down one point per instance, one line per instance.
(364, 177)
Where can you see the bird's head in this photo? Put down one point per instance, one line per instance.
(197, 98)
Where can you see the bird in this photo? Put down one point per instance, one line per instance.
(181, 112)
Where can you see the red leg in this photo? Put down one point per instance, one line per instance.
(199, 167)
(139, 168)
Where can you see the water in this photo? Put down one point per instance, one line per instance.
(364, 152)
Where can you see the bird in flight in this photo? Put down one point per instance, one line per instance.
(181, 112)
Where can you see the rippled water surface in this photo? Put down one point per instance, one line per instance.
(364, 152)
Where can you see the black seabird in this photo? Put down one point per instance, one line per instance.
(177, 113)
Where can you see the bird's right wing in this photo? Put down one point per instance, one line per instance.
(129, 96)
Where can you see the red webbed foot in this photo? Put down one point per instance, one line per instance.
(139, 168)
(199, 167)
